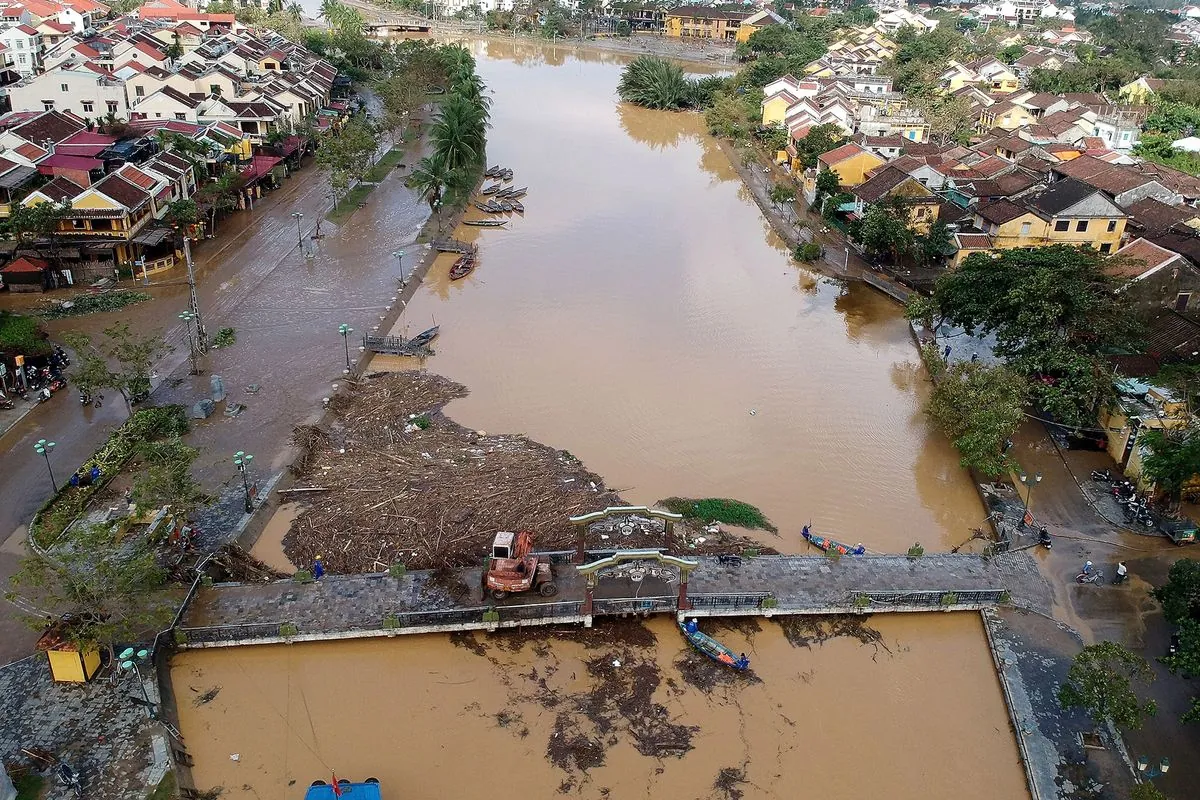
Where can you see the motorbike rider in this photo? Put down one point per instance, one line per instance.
(1122, 572)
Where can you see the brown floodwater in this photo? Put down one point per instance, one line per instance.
(642, 315)
(907, 718)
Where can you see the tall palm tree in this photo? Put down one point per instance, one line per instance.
(429, 179)
(471, 87)
(458, 133)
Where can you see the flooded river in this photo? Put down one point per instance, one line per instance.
(642, 316)
(905, 718)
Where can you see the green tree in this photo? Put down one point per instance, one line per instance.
(182, 213)
(347, 154)
(30, 225)
(828, 183)
(728, 117)
(782, 194)
(949, 118)
(1172, 458)
(165, 477)
(1146, 791)
(458, 135)
(654, 83)
(819, 139)
(1055, 311)
(933, 246)
(123, 361)
(978, 408)
(1100, 682)
(1180, 599)
(1011, 53)
(884, 229)
(108, 583)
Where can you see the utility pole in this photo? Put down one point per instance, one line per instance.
(193, 301)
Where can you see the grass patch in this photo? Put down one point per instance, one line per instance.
(349, 204)
(88, 303)
(165, 789)
(224, 338)
(718, 509)
(22, 335)
(29, 787)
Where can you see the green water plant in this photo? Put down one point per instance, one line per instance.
(718, 509)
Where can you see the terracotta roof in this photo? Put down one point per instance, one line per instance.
(138, 178)
(1001, 211)
(973, 241)
(30, 151)
(26, 264)
(60, 189)
(1139, 258)
(50, 125)
(1155, 216)
(880, 184)
(122, 191)
(840, 154)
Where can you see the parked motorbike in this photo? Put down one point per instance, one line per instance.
(1102, 476)
(69, 778)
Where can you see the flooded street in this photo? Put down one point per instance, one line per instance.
(641, 310)
(904, 718)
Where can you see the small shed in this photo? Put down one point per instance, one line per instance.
(68, 664)
(26, 274)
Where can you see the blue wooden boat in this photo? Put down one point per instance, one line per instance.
(712, 648)
(828, 544)
(346, 790)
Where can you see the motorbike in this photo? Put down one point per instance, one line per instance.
(1044, 537)
(1102, 476)
(1095, 576)
(69, 778)
(6, 404)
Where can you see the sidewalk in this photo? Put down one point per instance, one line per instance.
(10, 417)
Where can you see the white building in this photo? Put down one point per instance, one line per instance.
(83, 89)
(25, 45)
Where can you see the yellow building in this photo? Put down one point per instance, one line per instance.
(704, 22)
(1006, 115)
(762, 19)
(851, 163)
(921, 203)
(1143, 89)
(1068, 212)
(1130, 418)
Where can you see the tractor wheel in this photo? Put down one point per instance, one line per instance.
(497, 594)
(548, 589)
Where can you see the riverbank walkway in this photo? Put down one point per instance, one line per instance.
(358, 606)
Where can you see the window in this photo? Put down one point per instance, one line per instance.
(78, 224)
(180, 115)
(21, 58)
(1112, 225)
(1062, 225)
(1026, 227)
(112, 106)
(48, 105)
(1081, 226)
(20, 44)
(921, 212)
(1181, 301)
(214, 88)
(157, 115)
(64, 87)
(1125, 136)
(1106, 247)
(88, 108)
(139, 91)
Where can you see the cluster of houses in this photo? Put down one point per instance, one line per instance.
(101, 119)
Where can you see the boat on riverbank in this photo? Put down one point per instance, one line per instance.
(424, 337)
(492, 189)
(828, 544)
(712, 648)
(486, 223)
(367, 790)
(518, 206)
(462, 267)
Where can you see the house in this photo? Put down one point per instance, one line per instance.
(757, 22)
(173, 11)
(84, 90)
(1125, 184)
(851, 162)
(1151, 217)
(921, 204)
(1006, 115)
(167, 103)
(1140, 90)
(1154, 277)
(704, 22)
(25, 45)
(892, 21)
(26, 274)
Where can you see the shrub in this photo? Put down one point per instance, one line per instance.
(397, 570)
(807, 252)
(303, 576)
(288, 630)
(861, 601)
(491, 615)
(655, 83)
(391, 622)
(422, 422)
(89, 303)
(717, 509)
(916, 551)
(769, 602)
(949, 599)
(22, 336)
(224, 338)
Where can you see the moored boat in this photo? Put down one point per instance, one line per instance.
(367, 790)
(494, 171)
(712, 648)
(507, 176)
(424, 337)
(517, 206)
(485, 223)
(495, 187)
(482, 206)
(521, 192)
(462, 268)
(827, 544)
(505, 205)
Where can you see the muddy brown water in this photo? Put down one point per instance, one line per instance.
(905, 719)
(641, 315)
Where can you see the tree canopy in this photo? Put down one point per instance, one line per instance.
(123, 362)
(1054, 312)
(1172, 458)
(1180, 599)
(1101, 683)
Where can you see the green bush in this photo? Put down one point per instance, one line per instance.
(916, 551)
(769, 602)
(422, 421)
(22, 336)
(492, 615)
(288, 630)
(89, 303)
(391, 622)
(861, 601)
(949, 599)
(716, 509)
(397, 570)
(303, 576)
(224, 338)
(1005, 598)
(808, 252)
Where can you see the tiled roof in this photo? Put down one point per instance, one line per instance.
(26, 264)
(1155, 216)
(973, 241)
(880, 184)
(122, 191)
(1001, 211)
(840, 154)
(59, 189)
(1138, 258)
(1060, 196)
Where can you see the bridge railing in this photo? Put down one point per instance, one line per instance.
(728, 600)
(929, 598)
(228, 633)
(634, 605)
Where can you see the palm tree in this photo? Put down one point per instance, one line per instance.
(295, 10)
(471, 87)
(458, 133)
(654, 83)
(429, 179)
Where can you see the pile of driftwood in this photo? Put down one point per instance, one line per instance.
(392, 480)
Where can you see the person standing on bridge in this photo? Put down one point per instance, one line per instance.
(318, 568)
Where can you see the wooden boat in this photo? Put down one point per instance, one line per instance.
(424, 337)
(485, 223)
(505, 205)
(828, 544)
(517, 206)
(507, 176)
(521, 192)
(462, 267)
(494, 172)
(502, 193)
(495, 187)
(712, 648)
(483, 206)
(453, 246)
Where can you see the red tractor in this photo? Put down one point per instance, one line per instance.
(513, 568)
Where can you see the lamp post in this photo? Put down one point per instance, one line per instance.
(1162, 768)
(43, 448)
(128, 660)
(187, 317)
(299, 235)
(399, 254)
(1029, 483)
(345, 330)
(242, 459)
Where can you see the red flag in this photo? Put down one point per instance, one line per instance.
(337, 790)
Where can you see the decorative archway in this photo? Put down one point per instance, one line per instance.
(584, 520)
(592, 572)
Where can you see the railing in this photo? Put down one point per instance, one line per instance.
(934, 598)
(228, 633)
(564, 609)
(634, 605)
(719, 600)
(558, 556)
(445, 616)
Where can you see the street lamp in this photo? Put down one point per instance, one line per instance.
(242, 459)
(345, 330)
(43, 448)
(187, 317)
(1163, 767)
(399, 254)
(129, 660)
(299, 236)
(1029, 483)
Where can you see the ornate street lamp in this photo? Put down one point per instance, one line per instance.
(43, 448)
(242, 460)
